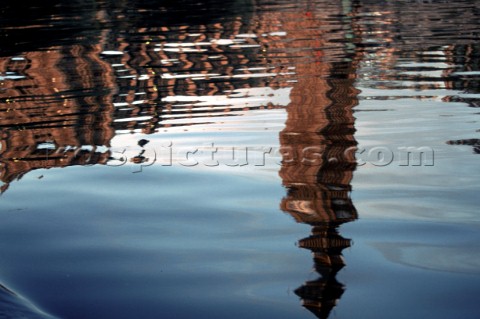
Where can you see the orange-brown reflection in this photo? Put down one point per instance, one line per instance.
(318, 192)
(463, 58)
(318, 157)
(62, 103)
(53, 104)
(62, 106)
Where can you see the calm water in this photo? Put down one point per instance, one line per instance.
(240, 159)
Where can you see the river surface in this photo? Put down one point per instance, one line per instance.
(240, 159)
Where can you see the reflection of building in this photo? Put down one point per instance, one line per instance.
(161, 78)
(430, 33)
(422, 45)
(465, 66)
(62, 105)
(466, 60)
(318, 149)
(411, 26)
(55, 110)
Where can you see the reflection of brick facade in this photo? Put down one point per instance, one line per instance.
(196, 60)
(463, 58)
(78, 95)
(51, 104)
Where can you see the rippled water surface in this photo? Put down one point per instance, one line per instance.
(240, 159)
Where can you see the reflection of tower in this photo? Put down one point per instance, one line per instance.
(318, 150)
(318, 192)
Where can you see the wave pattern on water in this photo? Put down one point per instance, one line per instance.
(13, 306)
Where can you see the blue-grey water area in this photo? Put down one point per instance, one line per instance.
(240, 159)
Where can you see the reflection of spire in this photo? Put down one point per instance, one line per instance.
(319, 194)
(318, 152)
(320, 295)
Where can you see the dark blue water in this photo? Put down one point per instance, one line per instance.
(242, 159)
